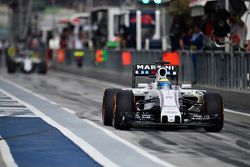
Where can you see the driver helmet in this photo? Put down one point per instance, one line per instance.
(164, 84)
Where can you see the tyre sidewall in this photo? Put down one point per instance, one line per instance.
(215, 109)
(108, 106)
(124, 109)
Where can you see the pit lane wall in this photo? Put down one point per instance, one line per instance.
(217, 71)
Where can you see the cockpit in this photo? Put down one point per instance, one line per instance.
(164, 83)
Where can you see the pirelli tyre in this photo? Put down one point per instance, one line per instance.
(214, 107)
(11, 66)
(124, 109)
(108, 106)
(42, 68)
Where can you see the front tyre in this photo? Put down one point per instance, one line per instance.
(108, 106)
(214, 108)
(124, 109)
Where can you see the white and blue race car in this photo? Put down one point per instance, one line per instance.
(161, 103)
(26, 61)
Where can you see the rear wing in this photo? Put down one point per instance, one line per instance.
(149, 70)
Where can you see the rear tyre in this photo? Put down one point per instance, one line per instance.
(11, 66)
(42, 68)
(108, 106)
(214, 107)
(124, 109)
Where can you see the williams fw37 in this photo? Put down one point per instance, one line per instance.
(26, 61)
(161, 102)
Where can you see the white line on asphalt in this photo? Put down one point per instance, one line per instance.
(20, 116)
(54, 103)
(90, 150)
(6, 155)
(236, 112)
(69, 110)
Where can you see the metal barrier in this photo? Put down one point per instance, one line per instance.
(209, 68)
(229, 71)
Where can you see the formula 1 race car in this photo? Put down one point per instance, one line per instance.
(161, 103)
(26, 61)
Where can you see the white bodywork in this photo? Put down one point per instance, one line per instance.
(27, 62)
(169, 104)
(168, 98)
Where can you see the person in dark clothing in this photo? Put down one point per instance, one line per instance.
(176, 31)
(185, 41)
(197, 39)
(124, 31)
(196, 45)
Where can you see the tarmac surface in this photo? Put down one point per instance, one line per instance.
(180, 147)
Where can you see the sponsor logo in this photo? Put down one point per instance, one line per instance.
(152, 67)
(200, 117)
(168, 97)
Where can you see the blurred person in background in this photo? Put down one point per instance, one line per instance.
(177, 29)
(238, 33)
(34, 43)
(197, 39)
(196, 45)
(70, 37)
(185, 41)
(78, 44)
(124, 31)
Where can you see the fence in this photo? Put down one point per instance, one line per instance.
(209, 68)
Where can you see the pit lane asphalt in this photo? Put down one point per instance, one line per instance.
(182, 147)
